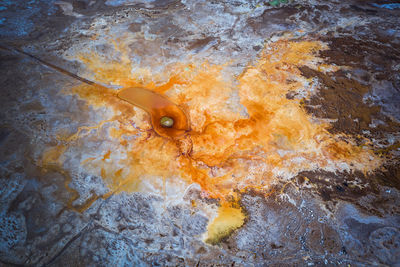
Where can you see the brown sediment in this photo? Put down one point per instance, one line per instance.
(341, 99)
(333, 186)
(351, 187)
(364, 54)
(375, 60)
(200, 43)
(389, 175)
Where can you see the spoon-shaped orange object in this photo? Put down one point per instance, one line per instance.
(161, 110)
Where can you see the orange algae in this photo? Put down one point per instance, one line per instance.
(225, 149)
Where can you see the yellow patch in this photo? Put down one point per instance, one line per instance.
(229, 219)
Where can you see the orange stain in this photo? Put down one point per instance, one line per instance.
(107, 155)
(158, 107)
(226, 149)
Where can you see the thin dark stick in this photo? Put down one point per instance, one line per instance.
(59, 69)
